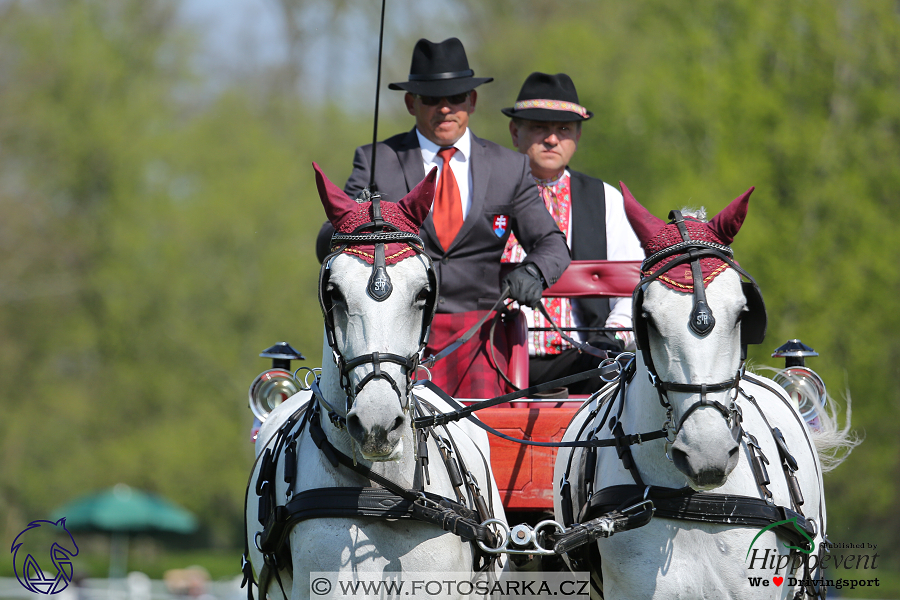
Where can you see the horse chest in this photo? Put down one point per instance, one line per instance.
(675, 560)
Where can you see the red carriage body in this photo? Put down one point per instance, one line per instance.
(524, 474)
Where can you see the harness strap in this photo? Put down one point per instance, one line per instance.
(464, 412)
(582, 347)
(617, 521)
(379, 503)
(626, 439)
(721, 509)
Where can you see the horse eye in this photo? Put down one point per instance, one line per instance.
(423, 294)
(334, 293)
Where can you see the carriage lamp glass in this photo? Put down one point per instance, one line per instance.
(807, 389)
(269, 389)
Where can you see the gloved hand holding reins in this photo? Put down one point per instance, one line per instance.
(525, 284)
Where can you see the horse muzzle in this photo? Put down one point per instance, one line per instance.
(378, 435)
(705, 451)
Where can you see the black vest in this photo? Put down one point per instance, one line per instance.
(588, 221)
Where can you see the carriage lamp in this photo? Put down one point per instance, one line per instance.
(802, 384)
(274, 386)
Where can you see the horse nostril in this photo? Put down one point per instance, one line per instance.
(733, 451)
(398, 423)
(355, 428)
(679, 458)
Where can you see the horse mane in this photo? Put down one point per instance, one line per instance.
(833, 441)
(698, 213)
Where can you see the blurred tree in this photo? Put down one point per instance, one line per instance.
(154, 241)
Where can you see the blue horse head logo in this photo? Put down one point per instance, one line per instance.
(44, 543)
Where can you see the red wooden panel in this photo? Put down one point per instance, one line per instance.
(524, 474)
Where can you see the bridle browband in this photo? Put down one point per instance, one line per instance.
(379, 287)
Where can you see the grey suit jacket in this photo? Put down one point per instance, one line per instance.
(469, 270)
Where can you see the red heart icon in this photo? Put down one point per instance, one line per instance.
(778, 580)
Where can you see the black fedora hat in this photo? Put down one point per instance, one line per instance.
(440, 69)
(546, 97)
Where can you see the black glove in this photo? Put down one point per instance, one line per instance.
(525, 284)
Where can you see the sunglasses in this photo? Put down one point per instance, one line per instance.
(435, 100)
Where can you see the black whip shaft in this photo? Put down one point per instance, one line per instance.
(377, 96)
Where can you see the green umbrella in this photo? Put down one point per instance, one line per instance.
(121, 511)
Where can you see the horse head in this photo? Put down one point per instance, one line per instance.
(377, 290)
(692, 314)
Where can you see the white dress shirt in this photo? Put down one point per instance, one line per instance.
(460, 164)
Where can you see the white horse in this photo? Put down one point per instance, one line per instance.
(373, 428)
(703, 450)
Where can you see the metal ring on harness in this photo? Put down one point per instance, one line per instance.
(524, 539)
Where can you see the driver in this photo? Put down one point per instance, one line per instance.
(486, 195)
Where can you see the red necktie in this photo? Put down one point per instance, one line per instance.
(447, 205)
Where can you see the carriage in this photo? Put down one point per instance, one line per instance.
(544, 454)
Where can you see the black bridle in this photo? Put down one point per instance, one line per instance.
(379, 287)
(701, 321)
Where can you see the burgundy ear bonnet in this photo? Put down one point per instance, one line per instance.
(656, 235)
(347, 215)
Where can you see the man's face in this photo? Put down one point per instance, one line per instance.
(548, 144)
(444, 122)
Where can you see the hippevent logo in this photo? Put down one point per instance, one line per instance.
(49, 544)
(777, 561)
(792, 521)
(808, 569)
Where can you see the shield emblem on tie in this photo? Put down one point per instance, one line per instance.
(500, 224)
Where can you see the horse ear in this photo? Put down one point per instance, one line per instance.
(645, 225)
(338, 205)
(417, 204)
(727, 223)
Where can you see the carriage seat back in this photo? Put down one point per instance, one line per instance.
(582, 279)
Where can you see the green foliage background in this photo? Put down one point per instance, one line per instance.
(155, 236)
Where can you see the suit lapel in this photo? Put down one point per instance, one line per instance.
(481, 173)
(411, 161)
(410, 156)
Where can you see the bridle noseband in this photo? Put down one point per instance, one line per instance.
(379, 287)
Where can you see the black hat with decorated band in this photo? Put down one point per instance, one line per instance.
(545, 97)
(439, 69)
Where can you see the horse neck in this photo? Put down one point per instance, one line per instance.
(400, 471)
